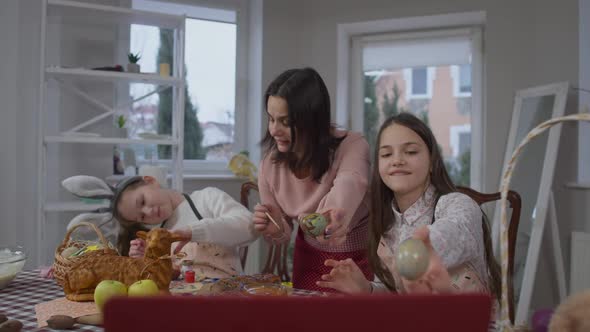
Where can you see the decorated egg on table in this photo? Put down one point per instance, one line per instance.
(313, 224)
(412, 259)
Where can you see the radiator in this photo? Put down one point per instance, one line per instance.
(580, 262)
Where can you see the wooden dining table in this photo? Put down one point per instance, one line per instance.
(29, 288)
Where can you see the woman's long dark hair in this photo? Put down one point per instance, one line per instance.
(381, 217)
(308, 103)
(129, 228)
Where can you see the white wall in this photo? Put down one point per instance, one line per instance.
(19, 70)
(584, 38)
(282, 44)
(8, 130)
(526, 43)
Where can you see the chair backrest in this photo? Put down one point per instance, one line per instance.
(515, 204)
(276, 260)
(244, 199)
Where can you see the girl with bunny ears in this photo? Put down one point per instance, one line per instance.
(215, 224)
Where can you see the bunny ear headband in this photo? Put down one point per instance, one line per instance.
(85, 186)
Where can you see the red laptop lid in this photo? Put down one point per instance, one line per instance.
(457, 313)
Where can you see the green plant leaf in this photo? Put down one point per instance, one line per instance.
(133, 58)
(121, 121)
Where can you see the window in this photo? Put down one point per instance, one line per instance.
(465, 79)
(210, 55)
(464, 142)
(460, 139)
(394, 66)
(461, 76)
(419, 82)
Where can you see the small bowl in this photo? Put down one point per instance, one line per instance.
(266, 290)
(12, 261)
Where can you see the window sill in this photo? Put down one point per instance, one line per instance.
(222, 177)
(578, 185)
(189, 177)
(419, 97)
(462, 94)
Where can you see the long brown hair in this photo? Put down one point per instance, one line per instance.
(308, 103)
(381, 217)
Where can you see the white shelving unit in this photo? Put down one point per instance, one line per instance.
(69, 79)
(108, 140)
(72, 206)
(80, 73)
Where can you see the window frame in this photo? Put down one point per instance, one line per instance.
(349, 72)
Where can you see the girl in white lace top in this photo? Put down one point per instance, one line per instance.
(412, 195)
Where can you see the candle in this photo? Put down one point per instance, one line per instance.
(164, 69)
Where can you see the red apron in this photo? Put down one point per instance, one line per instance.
(308, 264)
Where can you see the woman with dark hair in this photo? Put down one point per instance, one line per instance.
(311, 166)
(412, 195)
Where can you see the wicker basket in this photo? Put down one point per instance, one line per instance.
(505, 325)
(62, 265)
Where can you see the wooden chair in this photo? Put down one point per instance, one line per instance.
(515, 204)
(276, 260)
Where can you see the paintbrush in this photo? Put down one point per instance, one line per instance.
(273, 221)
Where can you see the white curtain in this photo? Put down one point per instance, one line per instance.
(398, 51)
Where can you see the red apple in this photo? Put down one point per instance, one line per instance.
(144, 287)
(107, 289)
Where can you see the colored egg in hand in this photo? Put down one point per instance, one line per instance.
(313, 224)
(412, 259)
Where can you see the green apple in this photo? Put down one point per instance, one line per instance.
(144, 287)
(107, 289)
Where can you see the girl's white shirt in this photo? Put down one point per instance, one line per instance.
(225, 221)
(456, 235)
(225, 227)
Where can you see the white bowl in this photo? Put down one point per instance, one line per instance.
(12, 261)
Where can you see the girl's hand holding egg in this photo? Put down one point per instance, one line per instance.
(412, 259)
(420, 267)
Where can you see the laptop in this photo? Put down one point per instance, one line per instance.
(416, 313)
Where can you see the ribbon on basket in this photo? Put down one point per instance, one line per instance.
(505, 324)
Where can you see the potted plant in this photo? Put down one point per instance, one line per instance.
(120, 122)
(133, 66)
